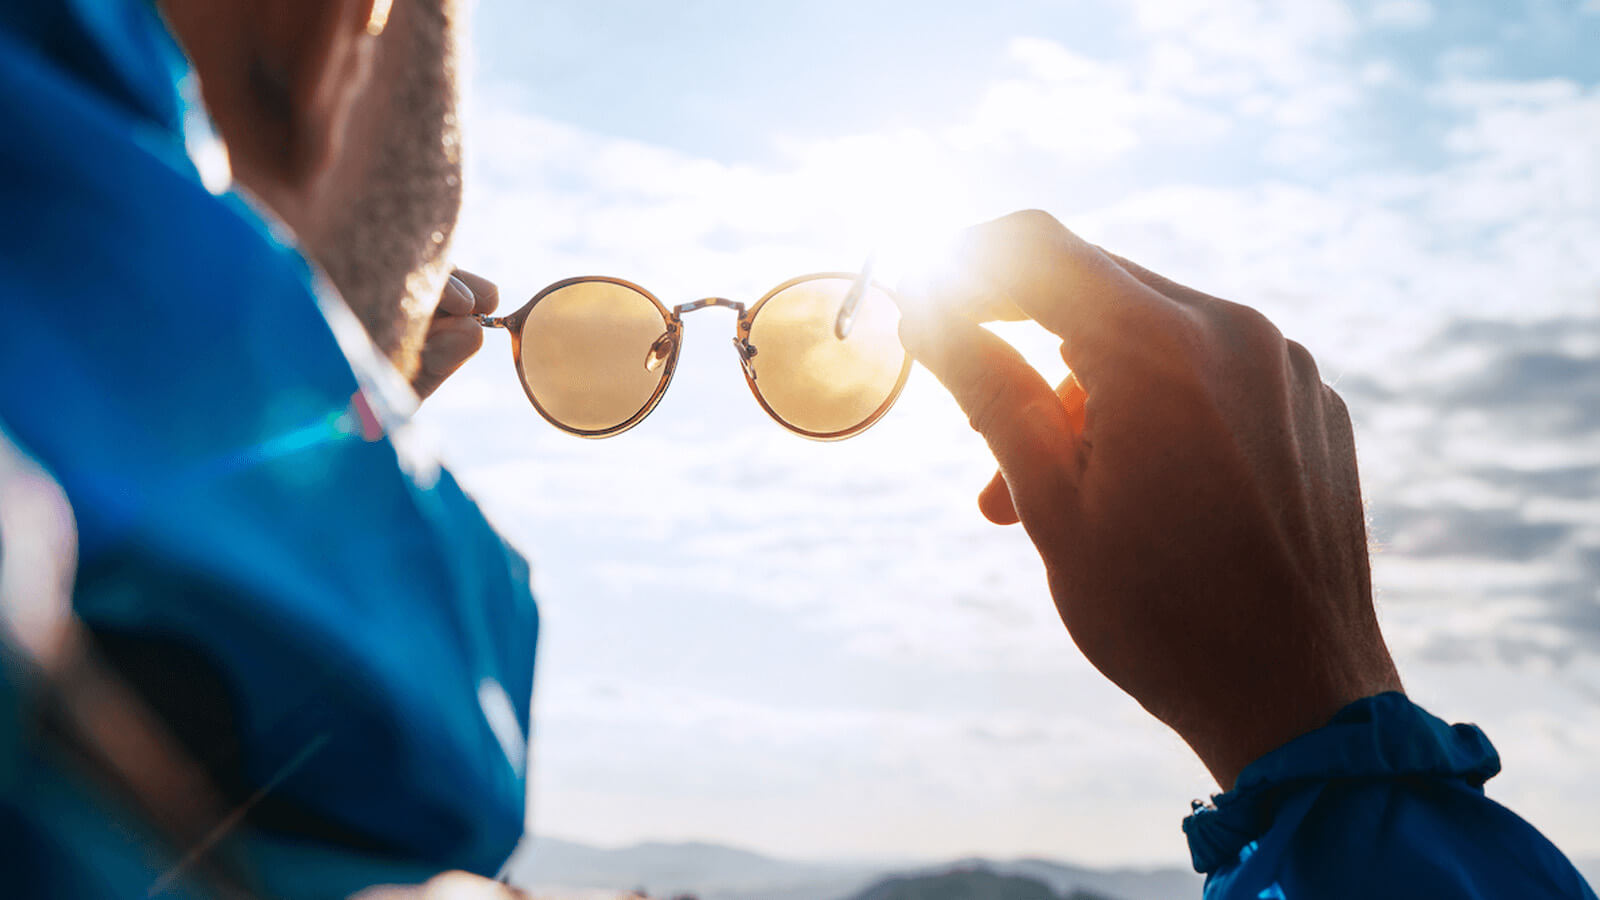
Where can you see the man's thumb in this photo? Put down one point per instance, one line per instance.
(1006, 399)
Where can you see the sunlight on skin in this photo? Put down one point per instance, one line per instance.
(930, 269)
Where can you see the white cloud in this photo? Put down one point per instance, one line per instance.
(1072, 107)
(1378, 74)
(1402, 14)
(1079, 110)
(881, 766)
(1276, 72)
(719, 574)
(1247, 47)
(1258, 30)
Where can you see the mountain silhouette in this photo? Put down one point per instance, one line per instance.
(715, 872)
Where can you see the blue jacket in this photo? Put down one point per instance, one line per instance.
(1385, 801)
(264, 548)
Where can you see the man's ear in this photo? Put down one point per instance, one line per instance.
(308, 62)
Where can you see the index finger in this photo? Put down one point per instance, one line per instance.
(1064, 283)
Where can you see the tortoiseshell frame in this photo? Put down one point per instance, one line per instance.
(673, 320)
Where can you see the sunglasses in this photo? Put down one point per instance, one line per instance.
(821, 352)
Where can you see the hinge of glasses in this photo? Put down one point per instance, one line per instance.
(747, 352)
(490, 321)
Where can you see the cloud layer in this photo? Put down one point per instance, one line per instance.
(820, 649)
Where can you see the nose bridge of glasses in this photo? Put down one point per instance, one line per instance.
(704, 302)
(745, 349)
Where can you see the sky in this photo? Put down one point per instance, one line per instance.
(823, 650)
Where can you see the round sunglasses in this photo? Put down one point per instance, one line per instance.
(821, 353)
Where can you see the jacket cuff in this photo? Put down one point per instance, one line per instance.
(1378, 737)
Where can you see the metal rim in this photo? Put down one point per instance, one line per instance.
(747, 320)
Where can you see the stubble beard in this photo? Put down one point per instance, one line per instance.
(387, 252)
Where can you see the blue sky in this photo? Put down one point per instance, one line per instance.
(822, 650)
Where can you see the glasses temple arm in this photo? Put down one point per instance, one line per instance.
(846, 319)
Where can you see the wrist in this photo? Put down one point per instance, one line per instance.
(1248, 724)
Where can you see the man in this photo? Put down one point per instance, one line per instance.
(332, 630)
(327, 624)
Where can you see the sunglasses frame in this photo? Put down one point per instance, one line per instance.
(673, 319)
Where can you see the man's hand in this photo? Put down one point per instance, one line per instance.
(454, 335)
(1191, 487)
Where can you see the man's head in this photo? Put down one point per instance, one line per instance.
(339, 115)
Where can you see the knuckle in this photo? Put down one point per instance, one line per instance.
(1333, 402)
(488, 298)
(1036, 220)
(1172, 340)
(989, 394)
(1302, 362)
(1240, 332)
(1035, 227)
(1253, 324)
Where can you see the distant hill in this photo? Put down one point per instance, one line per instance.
(1124, 883)
(709, 871)
(967, 884)
(715, 872)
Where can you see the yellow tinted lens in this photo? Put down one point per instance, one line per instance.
(593, 354)
(810, 378)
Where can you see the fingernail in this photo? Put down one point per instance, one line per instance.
(462, 287)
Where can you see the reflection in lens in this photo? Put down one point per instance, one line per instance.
(808, 376)
(590, 354)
